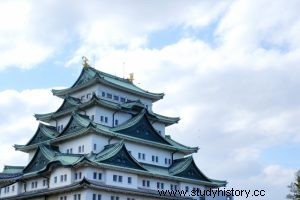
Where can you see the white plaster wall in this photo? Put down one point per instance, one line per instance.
(160, 128)
(100, 111)
(79, 170)
(127, 95)
(98, 88)
(124, 183)
(89, 112)
(11, 193)
(88, 172)
(83, 93)
(88, 141)
(122, 117)
(57, 173)
(148, 151)
(64, 120)
(153, 183)
(70, 195)
(29, 182)
(100, 140)
(74, 143)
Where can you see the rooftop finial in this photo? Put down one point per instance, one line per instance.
(85, 61)
(131, 77)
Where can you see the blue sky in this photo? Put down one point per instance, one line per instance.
(230, 70)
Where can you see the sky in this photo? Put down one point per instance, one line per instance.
(230, 70)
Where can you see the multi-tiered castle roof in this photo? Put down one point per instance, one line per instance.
(105, 128)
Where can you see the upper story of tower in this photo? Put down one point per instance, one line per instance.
(109, 87)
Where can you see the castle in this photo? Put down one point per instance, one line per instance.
(104, 143)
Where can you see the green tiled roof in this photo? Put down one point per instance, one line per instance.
(43, 133)
(76, 123)
(179, 145)
(180, 165)
(46, 155)
(109, 150)
(140, 127)
(67, 107)
(187, 168)
(12, 169)
(117, 154)
(9, 178)
(69, 102)
(81, 124)
(90, 76)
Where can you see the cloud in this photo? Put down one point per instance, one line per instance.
(237, 94)
(18, 47)
(39, 30)
(18, 124)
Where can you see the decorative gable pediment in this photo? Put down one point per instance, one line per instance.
(144, 130)
(84, 77)
(41, 136)
(117, 155)
(38, 162)
(68, 103)
(188, 169)
(74, 125)
(123, 159)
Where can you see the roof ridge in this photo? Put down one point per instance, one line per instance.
(49, 154)
(169, 139)
(110, 149)
(109, 75)
(177, 169)
(130, 122)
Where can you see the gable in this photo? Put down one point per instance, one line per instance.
(67, 104)
(143, 130)
(72, 126)
(85, 76)
(123, 159)
(40, 136)
(38, 162)
(192, 172)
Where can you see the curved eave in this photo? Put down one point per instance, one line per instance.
(213, 183)
(9, 181)
(190, 161)
(43, 129)
(50, 116)
(181, 146)
(43, 117)
(163, 119)
(29, 148)
(91, 129)
(52, 162)
(12, 169)
(64, 92)
(115, 151)
(220, 183)
(111, 105)
(94, 185)
(135, 121)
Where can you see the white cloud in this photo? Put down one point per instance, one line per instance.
(237, 97)
(18, 124)
(38, 30)
(18, 47)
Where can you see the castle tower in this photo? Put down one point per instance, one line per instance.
(104, 143)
